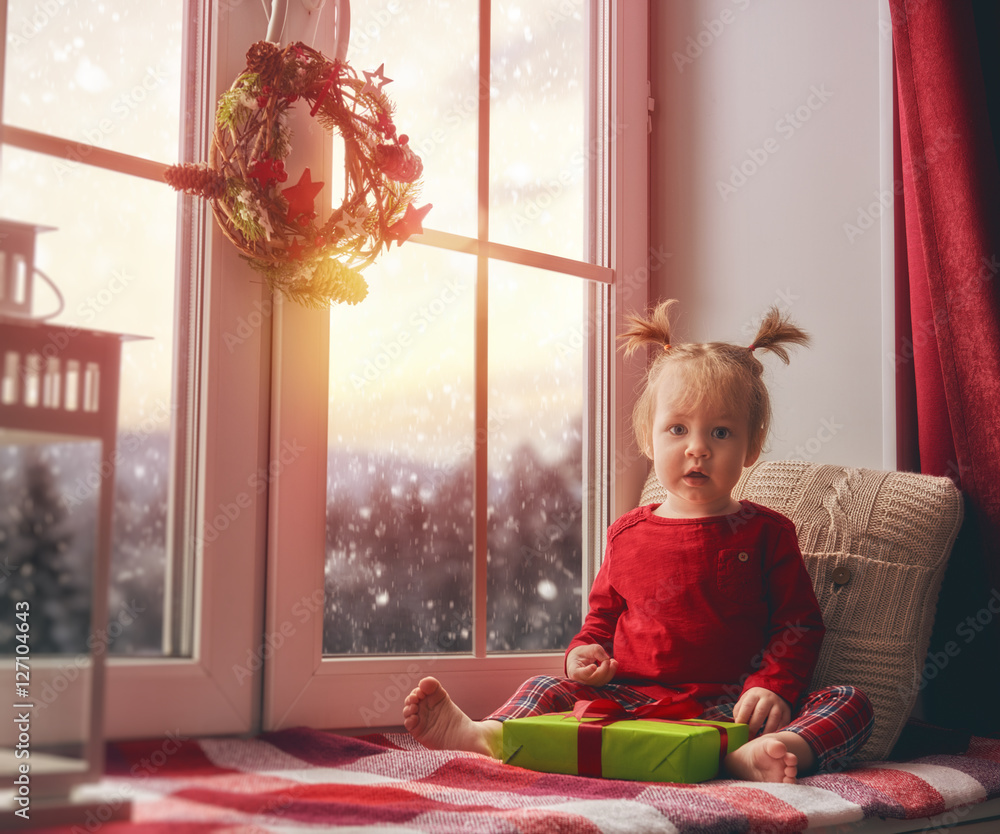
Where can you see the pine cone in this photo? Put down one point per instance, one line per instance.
(338, 283)
(197, 179)
(264, 58)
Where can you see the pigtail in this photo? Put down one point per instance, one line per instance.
(775, 332)
(655, 329)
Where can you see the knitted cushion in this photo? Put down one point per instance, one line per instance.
(876, 545)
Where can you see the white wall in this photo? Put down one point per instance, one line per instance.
(725, 76)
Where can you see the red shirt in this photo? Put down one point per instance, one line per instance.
(722, 603)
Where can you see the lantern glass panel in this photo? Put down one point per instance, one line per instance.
(49, 540)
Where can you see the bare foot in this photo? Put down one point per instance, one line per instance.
(433, 719)
(763, 759)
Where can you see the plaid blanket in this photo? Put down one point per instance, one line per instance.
(310, 780)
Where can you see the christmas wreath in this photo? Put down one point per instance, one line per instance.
(274, 226)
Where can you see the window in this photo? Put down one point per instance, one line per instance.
(463, 406)
(251, 406)
(96, 101)
(83, 125)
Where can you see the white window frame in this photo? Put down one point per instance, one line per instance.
(207, 694)
(301, 687)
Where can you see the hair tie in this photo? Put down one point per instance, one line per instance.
(752, 348)
(666, 346)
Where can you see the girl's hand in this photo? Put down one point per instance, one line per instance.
(761, 707)
(591, 665)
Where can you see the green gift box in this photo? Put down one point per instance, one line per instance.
(637, 749)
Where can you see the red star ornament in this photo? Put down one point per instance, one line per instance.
(301, 196)
(411, 224)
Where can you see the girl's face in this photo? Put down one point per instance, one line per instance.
(699, 452)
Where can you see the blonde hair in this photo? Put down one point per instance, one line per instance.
(720, 373)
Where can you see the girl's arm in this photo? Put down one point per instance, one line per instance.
(605, 606)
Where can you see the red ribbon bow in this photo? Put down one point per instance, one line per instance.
(671, 710)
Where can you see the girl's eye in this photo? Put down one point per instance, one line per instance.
(676, 430)
(720, 433)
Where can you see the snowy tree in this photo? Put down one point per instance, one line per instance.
(46, 549)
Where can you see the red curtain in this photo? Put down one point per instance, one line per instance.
(948, 327)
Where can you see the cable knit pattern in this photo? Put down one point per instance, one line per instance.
(893, 532)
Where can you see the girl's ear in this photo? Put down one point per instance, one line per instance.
(752, 455)
(646, 441)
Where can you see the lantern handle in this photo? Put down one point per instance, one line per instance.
(59, 295)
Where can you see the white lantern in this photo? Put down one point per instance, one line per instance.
(58, 421)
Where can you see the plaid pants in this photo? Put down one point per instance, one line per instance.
(835, 722)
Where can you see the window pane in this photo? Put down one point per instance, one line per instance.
(105, 74)
(538, 148)
(396, 486)
(111, 255)
(430, 50)
(400, 472)
(536, 400)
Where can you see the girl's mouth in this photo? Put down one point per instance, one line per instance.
(696, 476)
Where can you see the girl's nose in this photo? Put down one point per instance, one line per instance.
(697, 447)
